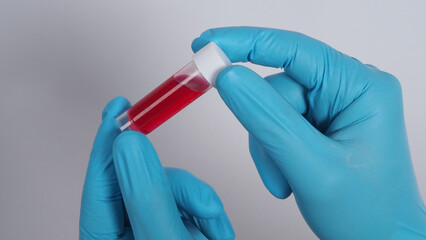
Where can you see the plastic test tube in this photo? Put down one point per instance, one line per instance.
(177, 92)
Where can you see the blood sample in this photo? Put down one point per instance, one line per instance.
(177, 92)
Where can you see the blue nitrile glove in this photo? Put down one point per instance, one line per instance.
(330, 129)
(158, 204)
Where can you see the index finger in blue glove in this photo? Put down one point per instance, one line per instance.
(333, 79)
(101, 204)
(305, 59)
(147, 195)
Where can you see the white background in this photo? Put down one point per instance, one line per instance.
(62, 61)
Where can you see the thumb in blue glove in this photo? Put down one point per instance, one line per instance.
(330, 129)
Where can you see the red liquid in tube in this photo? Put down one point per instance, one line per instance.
(165, 101)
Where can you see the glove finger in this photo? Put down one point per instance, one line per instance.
(147, 195)
(101, 204)
(292, 91)
(200, 202)
(219, 228)
(192, 195)
(272, 177)
(214, 228)
(303, 58)
(196, 234)
(334, 80)
(284, 133)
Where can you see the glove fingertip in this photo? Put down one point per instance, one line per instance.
(217, 228)
(116, 106)
(231, 76)
(201, 41)
(232, 82)
(198, 43)
(194, 195)
(269, 172)
(125, 137)
(130, 139)
(279, 193)
(211, 207)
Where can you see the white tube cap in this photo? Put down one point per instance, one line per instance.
(210, 60)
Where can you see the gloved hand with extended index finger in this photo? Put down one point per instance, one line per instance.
(329, 129)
